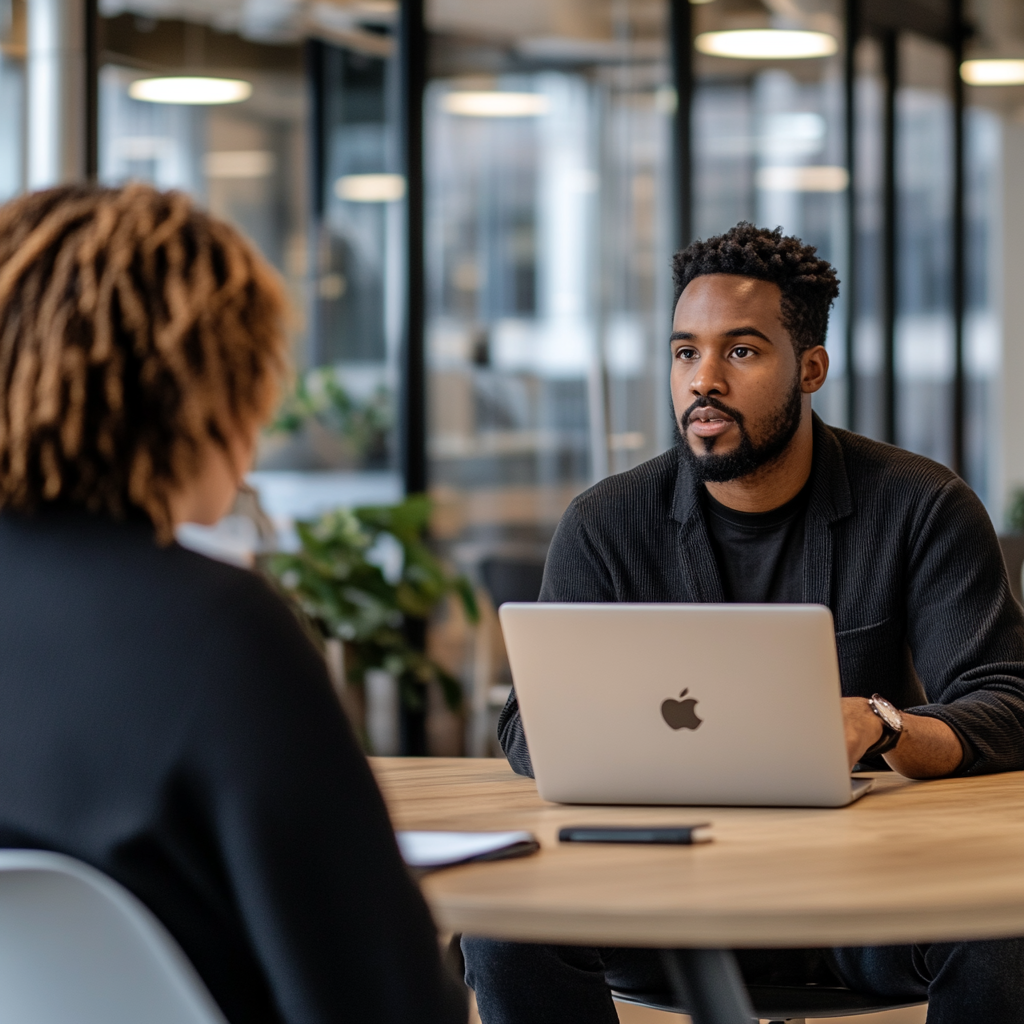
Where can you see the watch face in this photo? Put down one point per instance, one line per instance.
(888, 713)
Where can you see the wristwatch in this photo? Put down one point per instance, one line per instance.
(892, 726)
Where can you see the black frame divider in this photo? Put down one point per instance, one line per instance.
(890, 252)
(92, 98)
(852, 249)
(412, 80)
(313, 61)
(681, 29)
(412, 72)
(959, 240)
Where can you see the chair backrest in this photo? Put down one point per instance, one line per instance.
(512, 579)
(77, 948)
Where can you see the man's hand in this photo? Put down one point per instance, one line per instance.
(862, 727)
(927, 748)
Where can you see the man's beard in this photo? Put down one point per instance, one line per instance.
(747, 457)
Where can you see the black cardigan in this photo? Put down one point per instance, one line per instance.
(898, 547)
(163, 718)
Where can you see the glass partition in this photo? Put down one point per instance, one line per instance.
(925, 347)
(12, 98)
(300, 158)
(768, 147)
(547, 176)
(869, 350)
(983, 327)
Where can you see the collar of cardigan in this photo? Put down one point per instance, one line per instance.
(830, 486)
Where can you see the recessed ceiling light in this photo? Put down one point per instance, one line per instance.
(766, 44)
(190, 90)
(495, 104)
(370, 188)
(993, 72)
(821, 178)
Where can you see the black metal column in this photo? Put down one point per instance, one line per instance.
(92, 91)
(313, 55)
(682, 72)
(959, 242)
(890, 253)
(412, 78)
(850, 282)
(412, 58)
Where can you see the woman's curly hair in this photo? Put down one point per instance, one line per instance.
(134, 330)
(808, 284)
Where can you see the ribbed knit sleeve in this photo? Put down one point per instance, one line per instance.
(966, 631)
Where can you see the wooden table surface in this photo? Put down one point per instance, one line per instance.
(912, 861)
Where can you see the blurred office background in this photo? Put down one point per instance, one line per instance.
(474, 205)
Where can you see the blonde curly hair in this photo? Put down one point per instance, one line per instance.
(135, 330)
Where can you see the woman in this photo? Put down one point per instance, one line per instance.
(162, 716)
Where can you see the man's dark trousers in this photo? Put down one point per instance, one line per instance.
(964, 982)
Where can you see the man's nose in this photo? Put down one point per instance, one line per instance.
(709, 378)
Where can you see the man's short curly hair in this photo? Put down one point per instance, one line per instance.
(808, 284)
(135, 329)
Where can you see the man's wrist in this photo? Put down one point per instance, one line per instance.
(871, 727)
(891, 720)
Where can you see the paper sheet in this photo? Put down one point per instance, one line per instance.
(436, 849)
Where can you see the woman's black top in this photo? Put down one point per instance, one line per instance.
(163, 717)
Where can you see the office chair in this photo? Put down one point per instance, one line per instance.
(511, 574)
(76, 946)
(783, 1003)
(512, 579)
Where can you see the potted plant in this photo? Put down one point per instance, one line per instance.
(341, 580)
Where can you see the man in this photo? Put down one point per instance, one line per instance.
(762, 502)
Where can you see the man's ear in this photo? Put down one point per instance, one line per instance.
(813, 369)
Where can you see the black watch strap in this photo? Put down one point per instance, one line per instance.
(889, 738)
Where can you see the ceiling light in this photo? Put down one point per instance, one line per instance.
(823, 178)
(190, 90)
(495, 104)
(766, 44)
(370, 188)
(992, 72)
(239, 163)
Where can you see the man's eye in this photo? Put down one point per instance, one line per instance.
(686, 353)
(742, 351)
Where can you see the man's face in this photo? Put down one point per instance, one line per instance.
(735, 376)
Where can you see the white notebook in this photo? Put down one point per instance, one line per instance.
(427, 850)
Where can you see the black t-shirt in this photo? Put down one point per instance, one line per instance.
(760, 554)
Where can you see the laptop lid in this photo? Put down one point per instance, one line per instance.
(680, 704)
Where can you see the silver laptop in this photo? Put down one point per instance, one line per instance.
(681, 703)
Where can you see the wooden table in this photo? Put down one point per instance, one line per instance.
(910, 862)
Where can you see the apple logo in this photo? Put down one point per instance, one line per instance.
(679, 713)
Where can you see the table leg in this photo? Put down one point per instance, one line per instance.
(709, 983)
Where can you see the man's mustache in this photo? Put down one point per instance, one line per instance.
(709, 400)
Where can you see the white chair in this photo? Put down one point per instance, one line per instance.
(77, 948)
